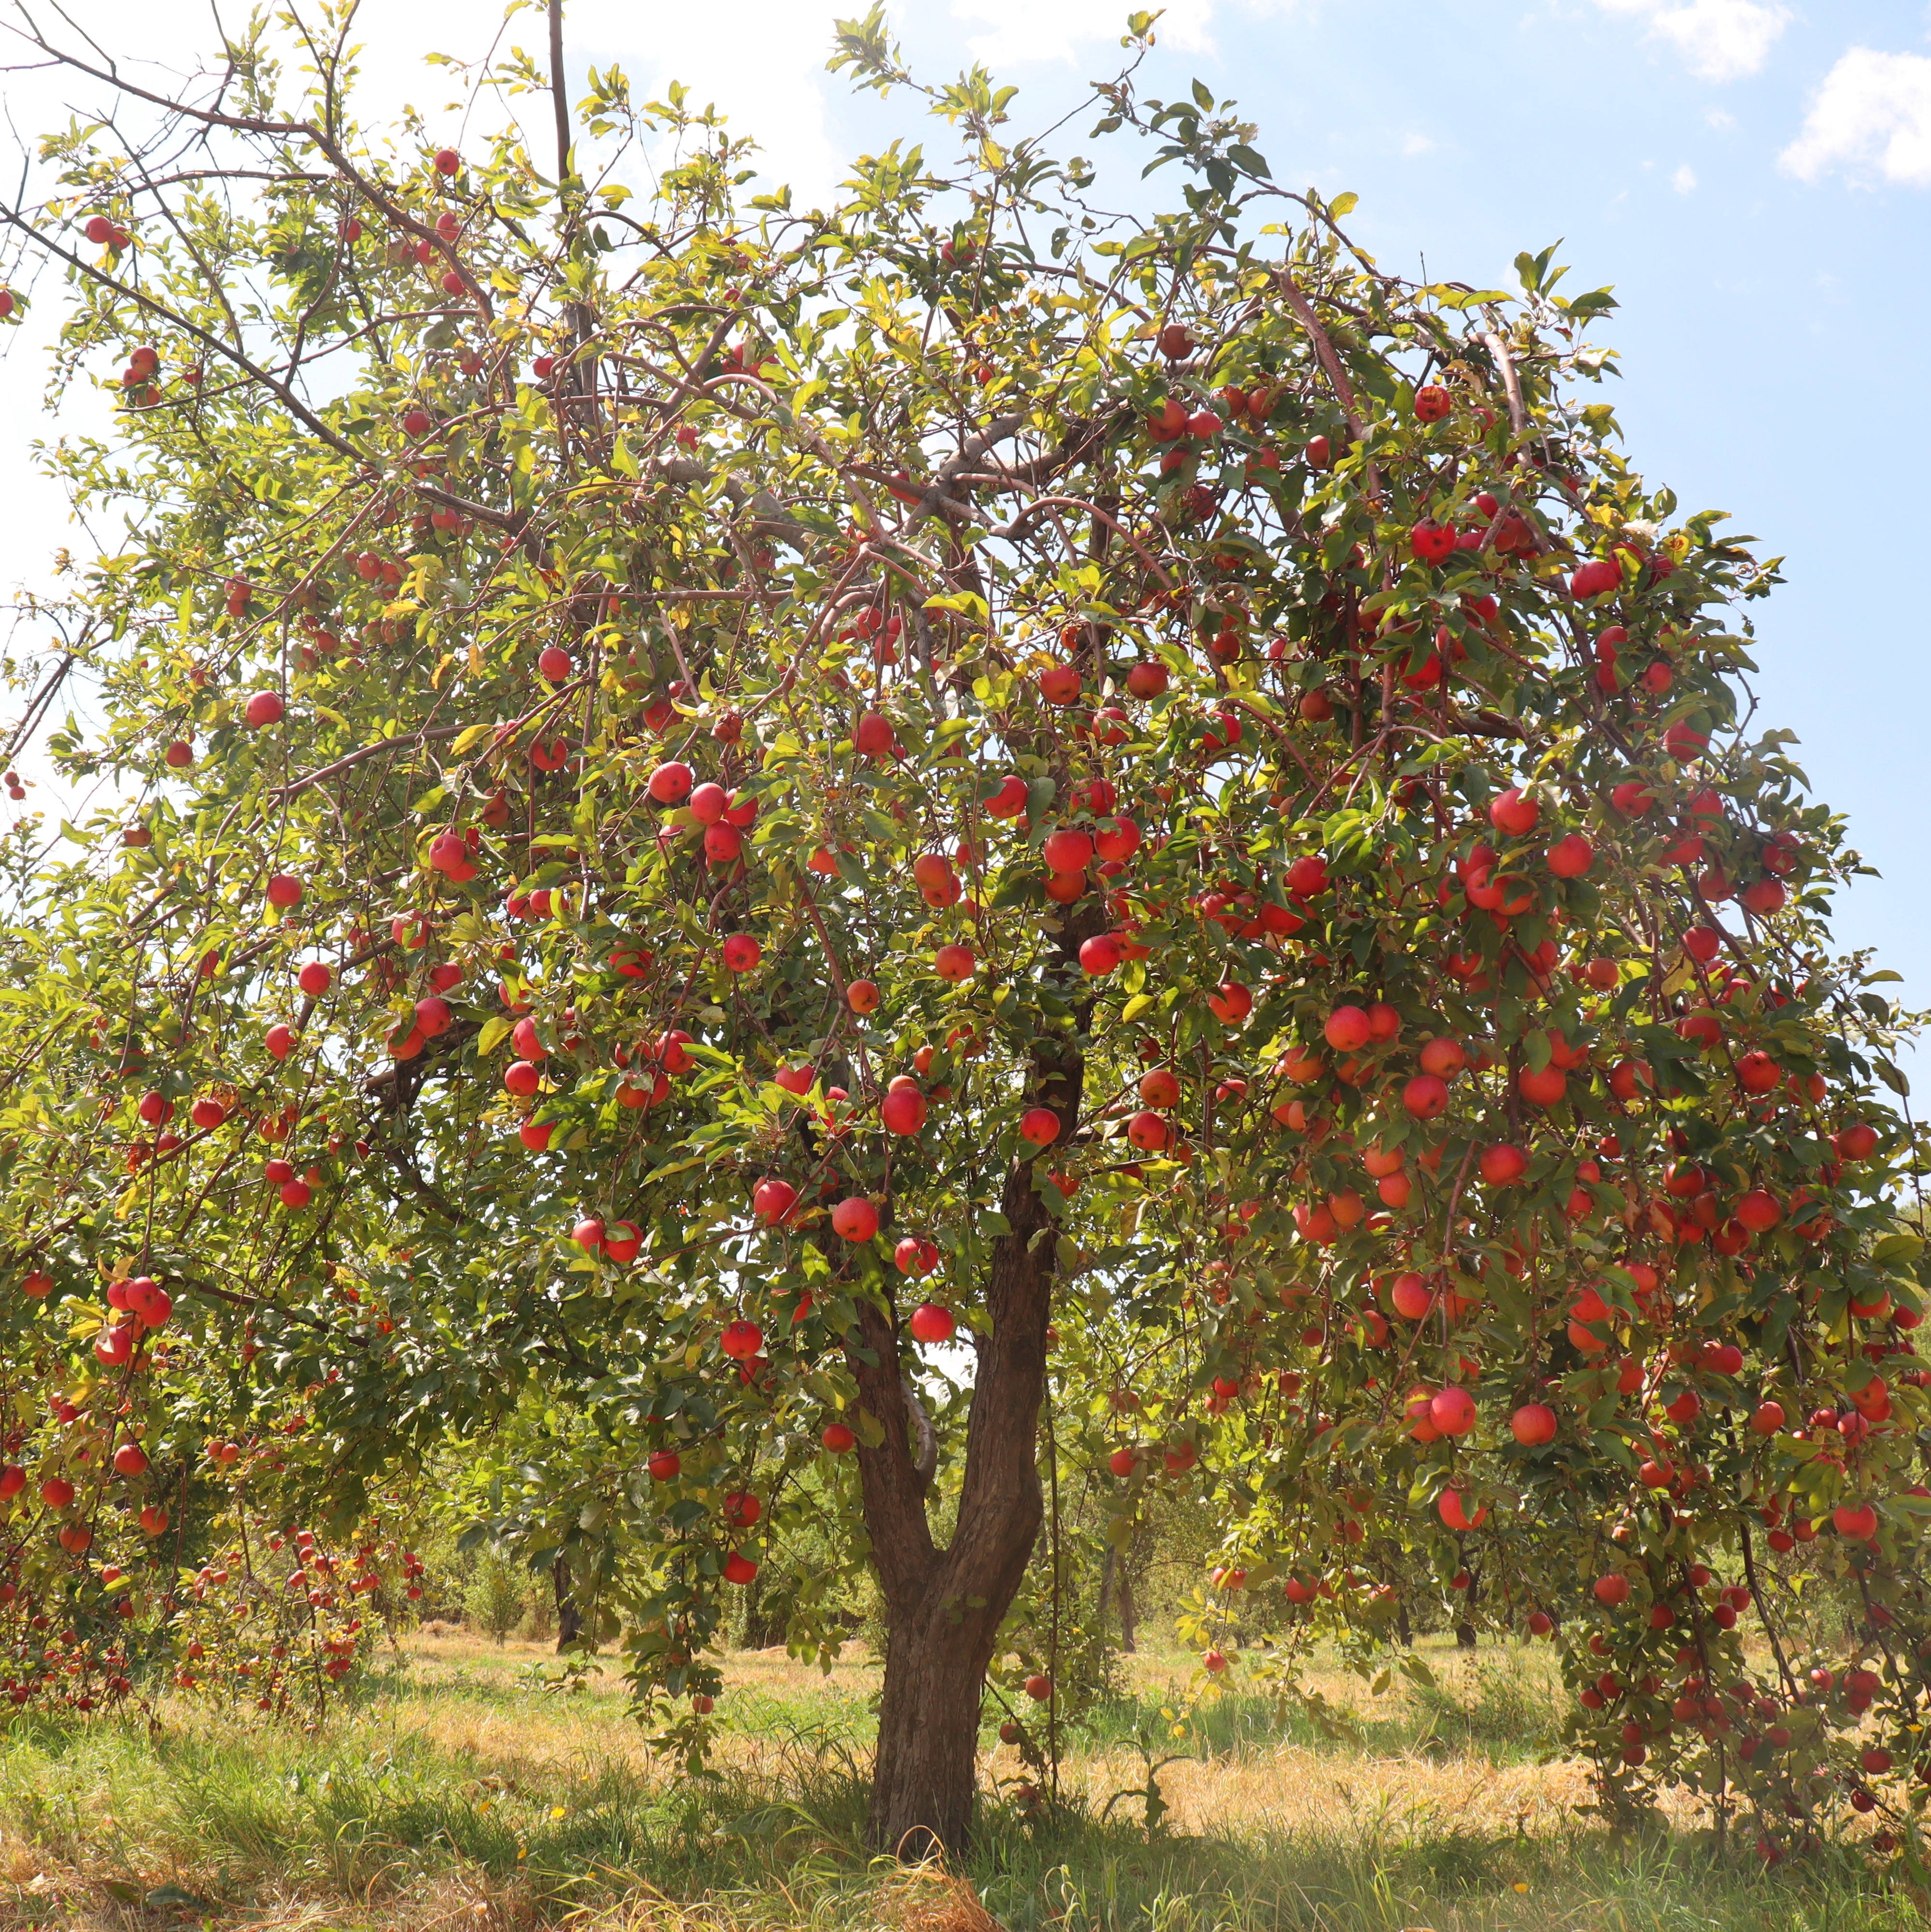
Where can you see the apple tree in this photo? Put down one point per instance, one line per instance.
(747, 841)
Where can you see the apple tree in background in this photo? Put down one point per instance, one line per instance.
(749, 842)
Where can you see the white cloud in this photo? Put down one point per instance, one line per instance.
(1684, 178)
(1872, 117)
(1721, 121)
(1014, 31)
(1416, 144)
(767, 72)
(1720, 40)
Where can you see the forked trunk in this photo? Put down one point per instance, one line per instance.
(943, 1607)
(925, 1777)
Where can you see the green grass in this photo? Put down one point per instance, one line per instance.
(468, 1800)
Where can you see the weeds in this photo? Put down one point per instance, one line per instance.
(470, 1803)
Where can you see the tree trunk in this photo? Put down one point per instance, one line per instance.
(924, 1778)
(1464, 1631)
(569, 1621)
(1129, 1616)
(943, 1607)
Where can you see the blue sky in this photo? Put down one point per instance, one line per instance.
(1754, 178)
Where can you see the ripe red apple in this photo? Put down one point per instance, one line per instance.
(1411, 1297)
(447, 161)
(1159, 1087)
(553, 664)
(1059, 685)
(855, 1219)
(1231, 1003)
(670, 784)
(1514, 813)
(741, 953)
(1611, 1590)
(1533, 1424)
(930, 1322)
(1068, 850)
(1569, 858)
(1544, 1089)
(1857, 1521)
(1100, 955)
(771, 1200)
(1040, 1126)
(836, 1437)
(1453, 1412)
(861, 996)
(265, 708)
(903, 1110)
(1503, 1165)
(1426, 1096)
(314, 979)
(741, 1340)
(914, 1257)
(954, 963)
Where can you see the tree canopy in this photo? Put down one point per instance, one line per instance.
(753, 842)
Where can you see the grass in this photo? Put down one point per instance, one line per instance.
(456, 1796)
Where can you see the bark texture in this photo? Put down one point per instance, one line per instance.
(569, 1619)
(943, 1606)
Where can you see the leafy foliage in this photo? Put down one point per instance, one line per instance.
(714, 791)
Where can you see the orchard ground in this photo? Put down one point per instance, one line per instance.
(461, 1794)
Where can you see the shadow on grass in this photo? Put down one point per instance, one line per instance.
(368, 1812)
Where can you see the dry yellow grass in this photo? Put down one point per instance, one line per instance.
(1286, 1787)
(464, 1698)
